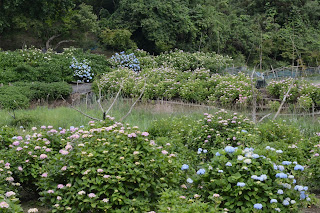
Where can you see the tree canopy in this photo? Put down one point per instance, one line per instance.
(282, 32)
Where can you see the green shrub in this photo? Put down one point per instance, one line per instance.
(24, 120)
(305, 102)
(19, 94)
(130, 180)
(184, 61)
(13, 98)
(117, 39)
(6, 135)
(217, 130)
(273, 131)
(274, 105)
(34, 65)
(238, 179)
(175, 201)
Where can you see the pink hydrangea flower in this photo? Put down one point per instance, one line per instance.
(63, 152)
(145, 134)
(43, 156)
(16, 143)
(60, 186)
(99, 170)
(44, 175)
(164, 152)
(4, 205)
(50, 191)
(91, 195)
(10, 193)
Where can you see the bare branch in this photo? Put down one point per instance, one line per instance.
(284, 100)
(100, 96)
(145, 82)
(114, 99)
(254, 99)
(63, 41)
(264, 117)
(49, 40)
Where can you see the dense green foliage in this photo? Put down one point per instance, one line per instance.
(19, 95)
(115, 167)
(34, 65)
(281, 32)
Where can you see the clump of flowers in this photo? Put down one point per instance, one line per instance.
(82, 179)
(247, 181)
(82, 70)
(126, 60)
(221, 129)
(305, 102)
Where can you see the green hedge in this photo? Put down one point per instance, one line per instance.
(20, 94)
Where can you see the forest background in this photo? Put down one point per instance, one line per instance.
(278, 32)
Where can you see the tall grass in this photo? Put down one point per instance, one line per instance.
(142, 114)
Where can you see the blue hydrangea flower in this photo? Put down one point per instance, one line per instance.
(285, 203)
(257, 206)
(241, 184)
(205, 151)
(281, 168)
(184, 167)
(220, 171)
(273, 201)
(230, 149)
(218, 154)
(255, 156)
(299, 167)
(189, 180)
(201, 171)
(228, 164)
(281, 175)
(279, 151)
(298, 188)
(286, 162)
(280, 192)
(244, 131)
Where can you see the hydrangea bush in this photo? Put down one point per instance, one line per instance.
(80, 178)
(167, 83)
(222, 128)
(243, 181)
(82, 70)
(303, 92)
(126, 60)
